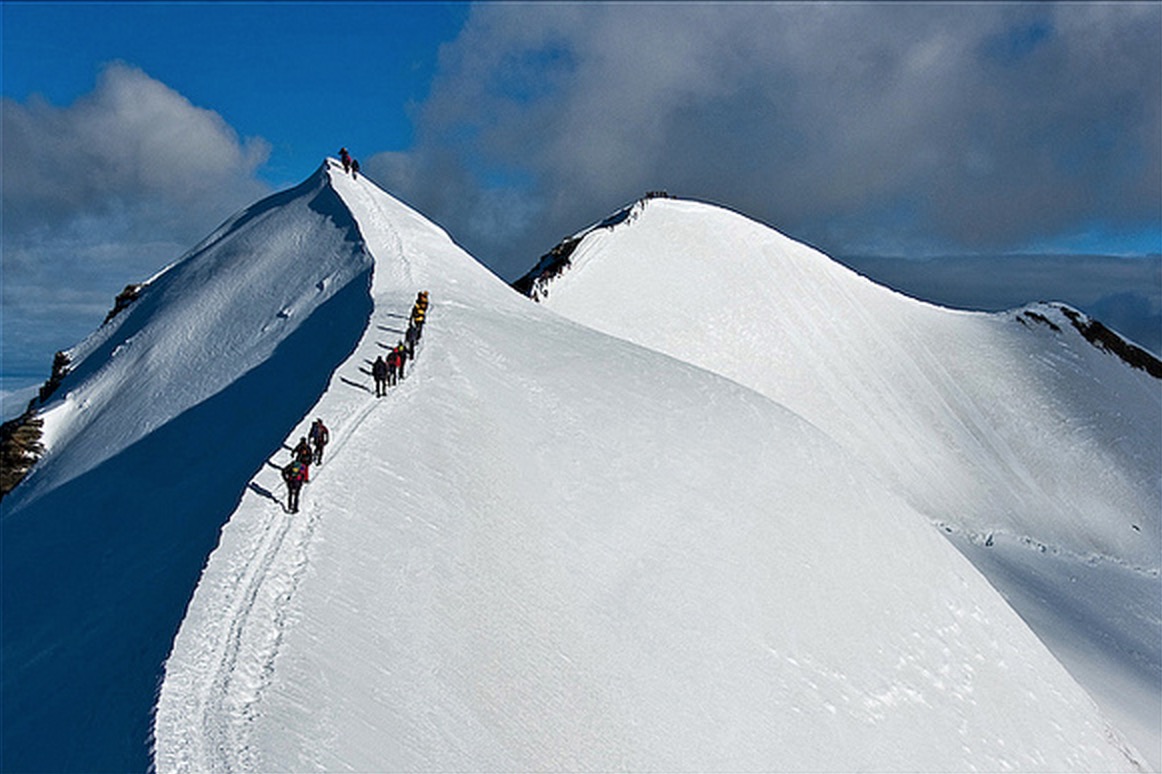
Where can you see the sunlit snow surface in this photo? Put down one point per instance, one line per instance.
(551, 549)
(1037, 452)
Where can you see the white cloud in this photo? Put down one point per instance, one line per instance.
(132, 142)
(952, 127)
(102, 193)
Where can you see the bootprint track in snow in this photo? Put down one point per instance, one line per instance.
(232, 662)
(230, 697)
(370, 643)
(262, 590)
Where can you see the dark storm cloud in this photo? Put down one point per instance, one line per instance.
(103, 192)
(857, 127)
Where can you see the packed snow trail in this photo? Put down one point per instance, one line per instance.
(242, 634)
(548, 549)
(152, 438)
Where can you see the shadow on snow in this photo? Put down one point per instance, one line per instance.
(97, 573)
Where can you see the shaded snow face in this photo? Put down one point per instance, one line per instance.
(171, 408)
(549, 549)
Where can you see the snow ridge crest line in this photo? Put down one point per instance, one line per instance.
(293, 672)
(235, 655)
(204, 722)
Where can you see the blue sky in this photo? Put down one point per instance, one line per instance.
(302, 75)
(906, 130)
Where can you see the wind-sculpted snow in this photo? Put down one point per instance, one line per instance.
(1003, 429)
(153, 438)
(989, 424)
(548, 549)
(205, 321)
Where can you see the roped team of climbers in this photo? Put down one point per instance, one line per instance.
(385, 372)
(388, 371)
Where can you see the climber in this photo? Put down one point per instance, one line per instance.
(419, 311)
(394, 367)
(319, 436)
(294, 474)
(379, 370)
(303, 455)
(409, 340)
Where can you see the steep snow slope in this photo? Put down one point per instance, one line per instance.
(152, 438)
(1010, 430)
(549, 549)
(981, 420)
(201, 324)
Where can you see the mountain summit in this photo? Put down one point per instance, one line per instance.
(1032, 437)
(1009, 423)
(546, 548)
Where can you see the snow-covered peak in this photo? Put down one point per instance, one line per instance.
(980, 421)
(1033, 438)
(412, 251)
(225, 307)
(683, 227)
(198, 326)
(545, 549)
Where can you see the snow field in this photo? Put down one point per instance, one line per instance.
(548, 549)
(1000, 430)
(975, 418)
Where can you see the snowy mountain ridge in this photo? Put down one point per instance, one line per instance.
(128, 359)
(1037, 432)
(713, 288)
(536, 282)
(548, 548)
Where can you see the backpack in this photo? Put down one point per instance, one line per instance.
(292, 472)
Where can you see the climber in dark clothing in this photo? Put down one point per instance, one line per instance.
(346, 159)
(409, 340)
(379, 371)
(319, 436)
(294, 474)
(303, 455)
